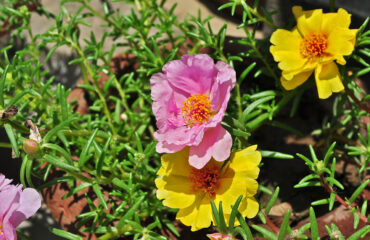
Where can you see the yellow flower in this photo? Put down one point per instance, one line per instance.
(313, 45)
(191, 190)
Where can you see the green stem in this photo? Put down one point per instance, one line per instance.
(116, 233)
(5, 145)
(86, 133)
(257, 122)
(103, 17)
(262, 19)
(96, 86)
(260, 56)
(332, 5)
(238, 100)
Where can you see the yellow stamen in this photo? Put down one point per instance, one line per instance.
(196, 110)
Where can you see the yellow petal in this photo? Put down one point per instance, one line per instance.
(245, 159)
(175, 163)
(252, 187)
(229, 191)
(286, 49)
(252, 207)
(176, 191)
(308, 22)
(296, 81)
(328, 80)
(253, 173)
(341, 41)
(331, 21)
(198, 215)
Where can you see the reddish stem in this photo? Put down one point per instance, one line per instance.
(271, 224)
(4, 31)
(363, 106)
(340, 200)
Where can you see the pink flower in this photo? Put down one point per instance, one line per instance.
(189, 102)
(4, 182)
(16, 205)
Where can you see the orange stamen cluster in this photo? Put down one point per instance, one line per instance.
(196, 109)
(314, 45)
(206, 180)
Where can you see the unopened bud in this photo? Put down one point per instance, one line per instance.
(320, 166)
(139, 157)
(30, 146)
(220, 236)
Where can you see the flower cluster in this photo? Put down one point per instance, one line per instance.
(189, 102)
(16, 206)
(312, 46)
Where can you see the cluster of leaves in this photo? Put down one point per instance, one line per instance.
(111, 149)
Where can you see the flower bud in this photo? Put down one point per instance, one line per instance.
(320, 166)
(30, 146)
(220, 236)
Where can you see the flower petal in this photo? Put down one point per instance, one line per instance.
(216, 143)
(230, 189)
(296, 81)
(331, 21)
(252, 187)
(246, 159)
(308, 22)
(198, 215)
(4, 182)
(286, 49)
(328, 80)
(30, 202)
(249, 207)
(176, 191)
(8, 197)
(175, 164)
(164, 147)
(341, 42)
(9, 231)
(192, 74)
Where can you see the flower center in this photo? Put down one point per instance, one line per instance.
(2, 237)
(206, 180)
(196, 109)
(314, 45)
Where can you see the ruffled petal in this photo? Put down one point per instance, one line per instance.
(198, 215)
(249, 207)
(341, 42)
(296, 81)
(331, 21)
(176, 191)
(252, 187)
(4, 182)
(174, 139)
(192, 74)
(328, 80)
(230, 189)
(175, 164)
(9, 197)
(216, 143)
(220, 91)
(246, 159)
(286, 49)
(30, 202)
(164, 147)
(308, 22)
